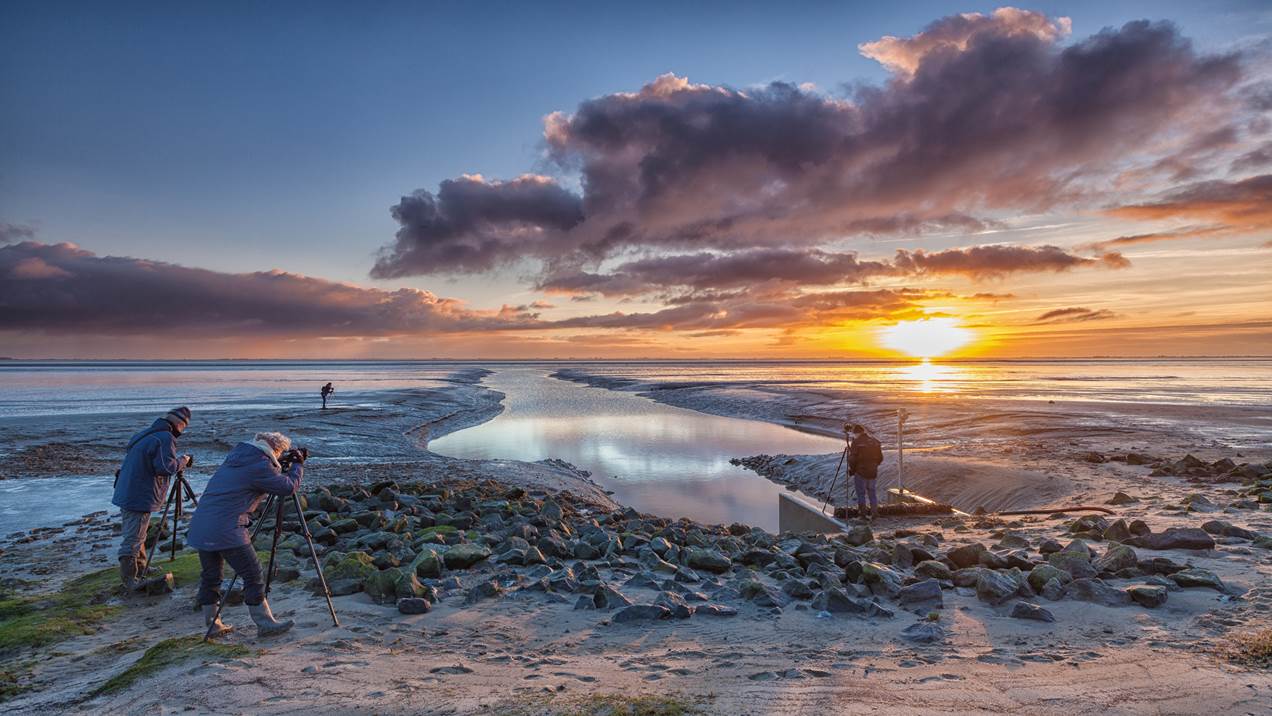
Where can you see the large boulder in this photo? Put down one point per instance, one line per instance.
(966, 556)
(642, 612)
(1043, 573)
(1097, 591)
(924, 632)
(935, 570)
(1227, 529)
(1116, 558)
(428, 563)
(1146, 595)
(921, 595)
(882, 580)
(1026, 610)
(393, 584)
(1175, 538)
(708, 560)
(1075, 559)
(997, 587)
(463, 556)
(762, 594)
(1194, 577)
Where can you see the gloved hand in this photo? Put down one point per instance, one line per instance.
(298, 455)
(187, 461)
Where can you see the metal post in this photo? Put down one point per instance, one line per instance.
(902, 414)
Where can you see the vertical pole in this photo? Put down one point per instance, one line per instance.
(901, 451)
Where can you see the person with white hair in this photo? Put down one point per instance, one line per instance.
(219, 528)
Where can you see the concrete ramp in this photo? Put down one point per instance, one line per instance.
(796, 513)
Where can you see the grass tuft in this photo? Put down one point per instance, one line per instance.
(1251, 649)
(75, 609)
(167, 653)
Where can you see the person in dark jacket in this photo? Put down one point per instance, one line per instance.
(219, 527)
(142, 487)
(864, 458)
(326, 391)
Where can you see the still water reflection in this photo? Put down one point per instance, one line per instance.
(657, 458)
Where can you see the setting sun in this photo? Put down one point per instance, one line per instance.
(926, 337)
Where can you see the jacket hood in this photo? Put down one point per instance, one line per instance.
(246, 453)
(159, 426)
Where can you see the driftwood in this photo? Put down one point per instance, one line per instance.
(900, 509)
(1054, 510)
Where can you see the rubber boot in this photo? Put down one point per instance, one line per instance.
(212, 621)
(874, 513)
(266, 624)
(128, 573)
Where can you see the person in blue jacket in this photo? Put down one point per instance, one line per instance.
(219, 526)
(141, 487)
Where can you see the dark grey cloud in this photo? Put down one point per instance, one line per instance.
(64, 289)
(995, 261)
(472, 225)
(1076, 314)
(1232, 206)
(983, 114)
(10, 233)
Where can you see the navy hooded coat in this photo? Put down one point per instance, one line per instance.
(236, 488)
(148, 467)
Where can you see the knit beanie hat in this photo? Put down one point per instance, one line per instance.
(179, 419)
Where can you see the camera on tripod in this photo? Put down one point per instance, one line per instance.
(295, 455)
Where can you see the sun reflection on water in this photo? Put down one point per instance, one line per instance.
(929, 377)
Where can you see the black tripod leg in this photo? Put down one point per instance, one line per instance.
(831, 492)
(313, 552)
(189, 491)
(220, 605)
(273, 547)
(150, 554)
(176, 520)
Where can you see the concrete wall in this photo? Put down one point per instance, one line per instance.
(796, 513)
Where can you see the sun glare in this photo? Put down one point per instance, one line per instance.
(926, 337)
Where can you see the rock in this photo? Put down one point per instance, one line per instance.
(1121, 498)
(966, 556)
(642, 612)
(585, 601)
(463, 556)
(1098, 592)
(1089, 523)
(797, 588)
(993, 560)
(392, 584)
(1043, 573)
(1076, 562)
(1138, 458)
(1148, 596)
(1119, 531)
(675, 603)
(1200, 503)
(414, 605)
(1092, 457)
(428, 563)
(1193, 577)
(762, 594)
(1139, 528)
(902, 556)
(1117, 558)
(858, 535)
(161, 584)
(1175, 538)
(966, 577)
(339, 587)
(924, 632)
(708, 560)
(1227, 529)
(1053, 590)
(484, 590)
(1049, 546)
(933, 569)
(882, 580)
(925, 594)
(717, 610)
(1025, 610)
(340, 566)
(607, 597)
(995, 587)
(1013, 541)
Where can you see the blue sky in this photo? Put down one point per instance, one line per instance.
(242, 137)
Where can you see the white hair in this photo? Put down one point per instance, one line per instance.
(277, 442)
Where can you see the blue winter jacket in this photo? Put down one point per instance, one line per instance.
(148, 467)
(236, 488)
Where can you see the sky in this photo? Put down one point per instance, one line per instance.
(666, 180)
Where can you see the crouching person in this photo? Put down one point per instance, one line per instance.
(219, 527)
(141, 487)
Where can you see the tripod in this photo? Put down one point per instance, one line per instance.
(843, 457)
(177, 495)
(278, 505)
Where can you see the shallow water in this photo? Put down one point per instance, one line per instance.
(50, 501)
(657, 458)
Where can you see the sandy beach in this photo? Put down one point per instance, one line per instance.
(545, 596)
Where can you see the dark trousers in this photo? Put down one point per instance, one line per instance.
(244, 563)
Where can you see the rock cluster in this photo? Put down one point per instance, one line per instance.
(412, 544)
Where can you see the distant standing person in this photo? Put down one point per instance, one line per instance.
(141, 487)
(864, 458)
(219, 527)
(326, 391)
